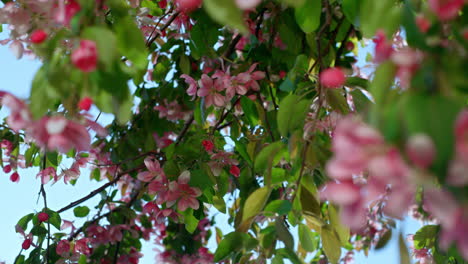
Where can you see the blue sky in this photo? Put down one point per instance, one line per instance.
(19, 199)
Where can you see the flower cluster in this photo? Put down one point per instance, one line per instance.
(169, 192)
(221, 87)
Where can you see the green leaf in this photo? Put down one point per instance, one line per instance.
(426, 237)
(226, 13)
(253, 206)
(283, 233)
(308, 15)
(291, 114)
(184, 64)
(337, 101)
(41, 88)
(232, 243)
(371, 16)
(404, 254)
(23, 222)
(54, 218)
(250, 110)
(341, 230)
(383, 241)
(281, 207)
(351, 10)
(130, 42)
(219, 203)
(266, 156)
(19, 259)
(39, 231)
(83, 259)
(306, 237)
(331, 245)
(81, 211)
(190, 221)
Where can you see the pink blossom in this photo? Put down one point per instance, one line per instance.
(20, 117)
(154, 170)
(461, 135)
(423, 23)
(172, 111)
(383, 49)
(85, 56)
(188, 6)
(343, 193)
(192, 90)
(453, 219)
(59, 133)
(219, 160)
(17, 48)
(458, 173)
(163, 214)
(421, 150)
(167, 139)
(65, 11)
(354, 144)
(210, 89)
(181, 191)
(446, 9)
(247, 4)
(47, 174)
(81, 246)
(63, 248)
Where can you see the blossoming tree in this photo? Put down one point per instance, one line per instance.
(254, 109)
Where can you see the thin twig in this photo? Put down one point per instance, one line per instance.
(99, 190)
(185, 129)
(44, 196)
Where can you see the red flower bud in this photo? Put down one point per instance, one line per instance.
(42, 217)
(85, 56)
(332, 78)
(26, 244)
(85, 103)
(38, 36)
(7, 169)
(208, 145)
(14, 177)
(235, 171)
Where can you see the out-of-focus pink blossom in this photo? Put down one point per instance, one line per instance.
(423, 23)
(446, 9)
(65, 11)
(383, 49)
(421, 150)
(85, 56)
(60, 133)
(354, 144)
(453, 219)
(247, 4)
(20, 117)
